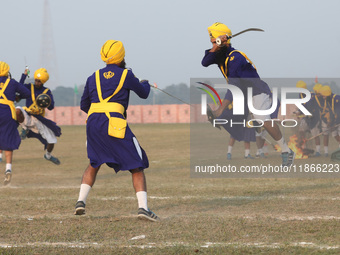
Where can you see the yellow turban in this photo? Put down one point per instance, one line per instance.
(4, 68)
(326, 91)
(301, 84)
(112, 52)
(42, 75)
(217, 29)
(317, 87)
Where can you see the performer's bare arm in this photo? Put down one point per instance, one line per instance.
(20, 115)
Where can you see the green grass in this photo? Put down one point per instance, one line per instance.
(199, 215)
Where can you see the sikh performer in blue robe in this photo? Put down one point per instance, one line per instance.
(109, 138)
(238, 70)
(310, 123)
(35, 124)
(330, 114)
(9, 135)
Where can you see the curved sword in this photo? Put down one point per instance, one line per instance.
(219, 41)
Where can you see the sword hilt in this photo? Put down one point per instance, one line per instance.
(219, 41)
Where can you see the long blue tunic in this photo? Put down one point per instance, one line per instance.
(313, 107)
(337, 109)
(9, 135)
(120, 154)
(241, 73)
(330, 110)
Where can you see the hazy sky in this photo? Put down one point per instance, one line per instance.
(165, 40)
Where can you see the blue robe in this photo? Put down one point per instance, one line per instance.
(9, 135)
(313, 108)
(242, 74)
(337, 109)
(120, 154)
(330, 110)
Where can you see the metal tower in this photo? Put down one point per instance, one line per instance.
(48, 58)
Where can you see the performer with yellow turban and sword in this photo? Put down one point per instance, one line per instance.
(239, 71)
(9, 135)
(35, 124)
(109, 138)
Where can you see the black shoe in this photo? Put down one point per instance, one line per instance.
(53, 159)
(147, 215)
(80, 208)
(288, 158)
(23, 134)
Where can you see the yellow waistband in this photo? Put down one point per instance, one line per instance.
(108, 107)
(11, 106)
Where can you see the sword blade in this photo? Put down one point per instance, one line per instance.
(247, 30)
(171, 95)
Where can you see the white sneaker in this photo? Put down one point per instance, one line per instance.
(8, 177)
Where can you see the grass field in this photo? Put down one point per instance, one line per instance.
(198, 215)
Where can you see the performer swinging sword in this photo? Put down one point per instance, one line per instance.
(239, 71)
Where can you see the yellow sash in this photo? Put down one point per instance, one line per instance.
(117, 126)
(333, 110)
(325, 112)
(5, 101)
(225, 70)
(34, 108)
(332, 106)
(317, 100)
